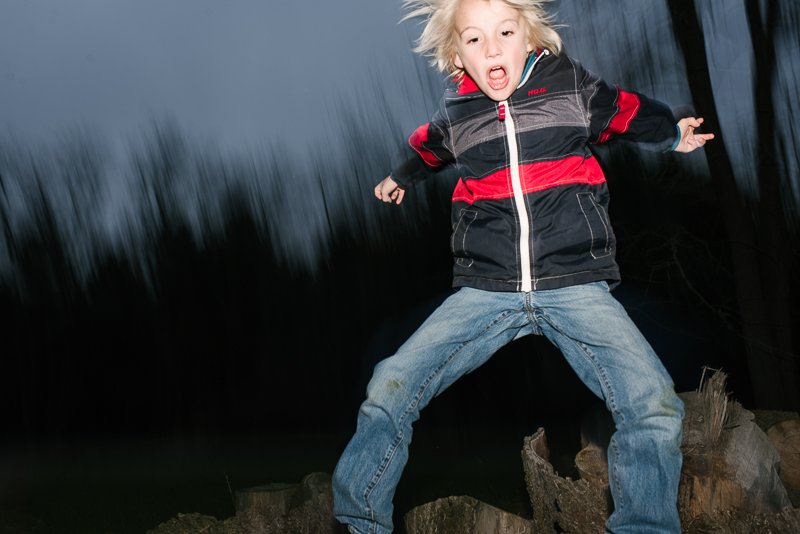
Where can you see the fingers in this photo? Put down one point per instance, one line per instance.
(697, 140)
(383, 190)
(385, 194)
(701, 139)
(389, 191)
(690, 139)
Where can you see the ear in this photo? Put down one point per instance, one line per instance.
(529, 48)
(457, 61)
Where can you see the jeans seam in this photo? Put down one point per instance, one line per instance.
(530, 313)
(415, 401)
(619, 502)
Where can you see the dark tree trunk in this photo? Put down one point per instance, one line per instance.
(773, 385)
(777, 251)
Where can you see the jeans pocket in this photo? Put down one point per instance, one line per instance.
(597, 222)
(458, 241)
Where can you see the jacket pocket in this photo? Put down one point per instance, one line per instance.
(599, 227)
(458, 241)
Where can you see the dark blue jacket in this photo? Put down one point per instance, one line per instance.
(530, 210)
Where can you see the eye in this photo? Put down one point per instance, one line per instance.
(471, 40)
(507, 33)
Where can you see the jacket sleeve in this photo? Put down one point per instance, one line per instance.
(430, 153)
(614, 112)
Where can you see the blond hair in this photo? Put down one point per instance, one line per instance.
(438, 38)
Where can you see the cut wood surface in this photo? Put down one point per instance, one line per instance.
(270, 500)
(303, 508)
(464, 515)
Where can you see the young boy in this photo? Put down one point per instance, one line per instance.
(534, 254)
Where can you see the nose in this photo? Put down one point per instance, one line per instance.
(493, 48)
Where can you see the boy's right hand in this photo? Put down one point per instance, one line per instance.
(389, 191)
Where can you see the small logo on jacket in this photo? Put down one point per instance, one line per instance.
(538, 91)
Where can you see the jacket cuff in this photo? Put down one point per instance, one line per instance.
(677, 139)
(410, 172)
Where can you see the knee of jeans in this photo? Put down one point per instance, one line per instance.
(669, 412)
(662, 404)
(386, 385)
(670, 403)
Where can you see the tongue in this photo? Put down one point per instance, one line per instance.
(497, 79)
(497, 74)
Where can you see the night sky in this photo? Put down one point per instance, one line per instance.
(239, 73)
(190, 255)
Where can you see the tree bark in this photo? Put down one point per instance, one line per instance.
(785, 437)
(561, 504)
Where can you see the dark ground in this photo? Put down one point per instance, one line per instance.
(119, 486)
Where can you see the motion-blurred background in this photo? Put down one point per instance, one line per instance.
(196, 281)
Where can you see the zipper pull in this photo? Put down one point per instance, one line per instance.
(501, 111)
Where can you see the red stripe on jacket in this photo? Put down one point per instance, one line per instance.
(628, 106)
(534, 177)
(417, 139)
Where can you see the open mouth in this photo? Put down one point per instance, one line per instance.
(497, 78)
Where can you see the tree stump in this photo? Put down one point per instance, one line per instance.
(767, 418)
(561, 504)
(737, 470)
(305, 508)
(464, 515)
(729, 480)
(270, 500)
(737, 522)
(785, 436)
(593, 466)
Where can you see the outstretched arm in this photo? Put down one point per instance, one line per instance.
(690, 139)
(389, 191)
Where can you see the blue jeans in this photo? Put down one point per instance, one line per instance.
(601, 344)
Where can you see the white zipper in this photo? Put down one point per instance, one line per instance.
(525, 253)
(519, 200)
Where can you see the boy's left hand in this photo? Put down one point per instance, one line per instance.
(691, 140)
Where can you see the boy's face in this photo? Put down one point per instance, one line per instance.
(491, 46)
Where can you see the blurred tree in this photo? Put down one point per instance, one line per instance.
(760, 257)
